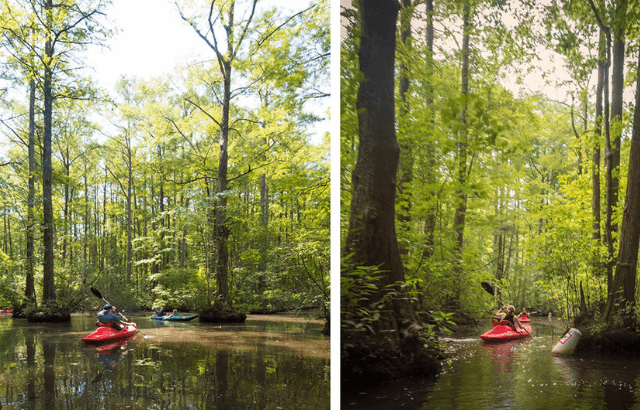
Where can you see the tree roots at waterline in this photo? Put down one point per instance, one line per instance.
(220, 313)
(48, 316)
(615, 342)
(366, 363)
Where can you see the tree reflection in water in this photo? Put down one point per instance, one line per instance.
(46, 367)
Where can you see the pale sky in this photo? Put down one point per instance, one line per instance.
(153, 39)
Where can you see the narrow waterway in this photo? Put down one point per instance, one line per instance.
(521, 374)
(270, 362)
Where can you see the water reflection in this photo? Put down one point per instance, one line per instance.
(504, 355)
(521, 374)
(47, 367)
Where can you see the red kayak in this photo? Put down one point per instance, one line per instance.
(106, 333)
(503, 331)
(524, 318)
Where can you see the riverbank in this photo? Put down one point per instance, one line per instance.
(520, 374)
(617, 342)
(365, 365)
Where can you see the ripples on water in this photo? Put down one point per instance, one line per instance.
(521, 374)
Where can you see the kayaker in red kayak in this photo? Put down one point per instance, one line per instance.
(107, 316)
(510, 316)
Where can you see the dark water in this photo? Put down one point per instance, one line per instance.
(521, 374)
(270, 362)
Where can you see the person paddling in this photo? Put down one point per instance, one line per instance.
(510, 316)
(107, 316)
(499, 314)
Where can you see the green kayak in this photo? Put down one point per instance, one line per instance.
(180, 318)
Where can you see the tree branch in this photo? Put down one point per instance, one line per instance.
(203, 111)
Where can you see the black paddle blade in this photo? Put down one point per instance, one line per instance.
(96, 292)
(488, 288)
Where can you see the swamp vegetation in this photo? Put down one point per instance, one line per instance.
(510, 139)
(204, 189)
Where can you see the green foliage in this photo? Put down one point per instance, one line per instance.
(526, 173)
(442, 323)
(357, 311)
(135, 179)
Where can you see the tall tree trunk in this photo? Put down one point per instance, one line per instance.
(221, 229)
(603, 78)
(622, 298)
(617, 89)
(29, 289)
(264, 235)
(611, 195)
(371, 240)
(129, 215)
(85, 241)
(405, 166)
(372, 236)
(463, 146)
(595, 166)
(103, 253)
(225, 62)
(65, 210)
(48, 288)
(430, 178)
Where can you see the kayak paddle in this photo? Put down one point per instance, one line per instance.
(99, 295)
(486, 286)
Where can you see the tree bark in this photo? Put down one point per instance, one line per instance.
(622, 298)
(598, 266)
(29, 289)
(430, 178)
(48, 288)
(220, 228)
(617, 89)
(264, 235)
(406, 153)
(391, 345)
(595, 168)
(463, 146)
(129, 215)
(372, 236)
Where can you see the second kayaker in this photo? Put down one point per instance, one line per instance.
(108, 316)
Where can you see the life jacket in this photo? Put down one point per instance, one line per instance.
(509, 318)
(508, 321)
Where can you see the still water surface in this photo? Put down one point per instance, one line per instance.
(521, 374)
(270, 362)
